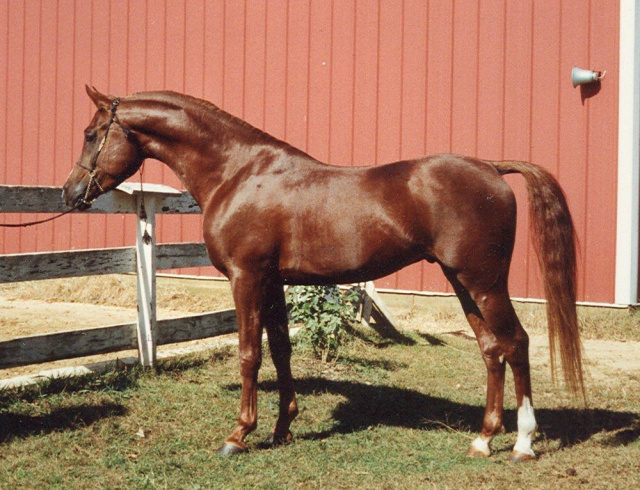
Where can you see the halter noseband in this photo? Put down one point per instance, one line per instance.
(94, 162)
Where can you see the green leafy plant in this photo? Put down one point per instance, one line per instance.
(324, 311)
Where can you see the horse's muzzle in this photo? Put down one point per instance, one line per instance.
(73, 196)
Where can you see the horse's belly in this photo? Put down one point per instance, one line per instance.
(339, 263)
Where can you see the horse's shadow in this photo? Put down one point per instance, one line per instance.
(19, 425)
(372, 405)
(368, 405)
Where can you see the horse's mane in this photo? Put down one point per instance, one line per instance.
(179, 100)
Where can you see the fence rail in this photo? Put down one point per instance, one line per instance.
(91, 262)
(144, 259)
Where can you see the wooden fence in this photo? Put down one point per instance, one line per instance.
(143, 259)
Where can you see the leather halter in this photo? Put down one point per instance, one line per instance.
(93, 169)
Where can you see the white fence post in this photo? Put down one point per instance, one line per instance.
(146, 279)
(374, 306)
(146, 265)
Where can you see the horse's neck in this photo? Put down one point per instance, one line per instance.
(202, 147)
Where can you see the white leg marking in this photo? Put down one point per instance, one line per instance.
(482, 445)
(526, 427)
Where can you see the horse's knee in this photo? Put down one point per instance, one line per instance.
(250, 364)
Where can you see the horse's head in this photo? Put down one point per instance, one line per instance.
(109, 156)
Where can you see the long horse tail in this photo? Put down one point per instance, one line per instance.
(555, 244)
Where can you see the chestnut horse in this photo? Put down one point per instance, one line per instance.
(273, 215)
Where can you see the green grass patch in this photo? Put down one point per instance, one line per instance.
(387, 415)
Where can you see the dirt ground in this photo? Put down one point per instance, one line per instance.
(23, 313)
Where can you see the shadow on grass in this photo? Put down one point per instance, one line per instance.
(368, 405)
(17, 425)
(118, 380)
(433, 340)
(181, 364)
(365, 363)
(14, 424)
(383, 336)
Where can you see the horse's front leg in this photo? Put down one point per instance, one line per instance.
(248, 295)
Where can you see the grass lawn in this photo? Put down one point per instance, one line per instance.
(387, 415)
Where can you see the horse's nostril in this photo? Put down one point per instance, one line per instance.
(69, 195)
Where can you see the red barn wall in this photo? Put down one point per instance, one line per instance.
(350, 82)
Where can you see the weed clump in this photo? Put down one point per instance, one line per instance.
(326, 313)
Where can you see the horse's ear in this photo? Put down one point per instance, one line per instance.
(100, 100)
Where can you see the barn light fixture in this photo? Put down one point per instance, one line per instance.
(580, 76)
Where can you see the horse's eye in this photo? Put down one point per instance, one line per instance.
(90, 137)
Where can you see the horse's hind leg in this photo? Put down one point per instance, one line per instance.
(501, 338)
(276, 323)
(519, 362)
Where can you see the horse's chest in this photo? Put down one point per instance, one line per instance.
(241, 233)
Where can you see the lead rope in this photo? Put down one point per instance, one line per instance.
(38, 222)
(146, 237)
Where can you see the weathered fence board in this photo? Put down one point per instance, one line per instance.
(180, 255)
(122, 260)
(29, 199)
(37, 349)
(58, 265)
(196, 327)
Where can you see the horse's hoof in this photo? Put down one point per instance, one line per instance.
(476, 453)
(479, 449)
(231, 449)
(518, 457)
(272, 440)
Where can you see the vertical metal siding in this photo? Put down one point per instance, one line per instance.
(351, 82)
